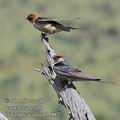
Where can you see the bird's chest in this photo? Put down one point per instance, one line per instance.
(39, 26)
(46, 28)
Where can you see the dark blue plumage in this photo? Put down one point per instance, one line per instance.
(67, 71)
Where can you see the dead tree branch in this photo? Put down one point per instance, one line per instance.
(2, 117)
(66, 92)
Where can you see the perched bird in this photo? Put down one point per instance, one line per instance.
(47, 25)
(68, 72)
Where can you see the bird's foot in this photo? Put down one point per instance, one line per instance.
(44, 36)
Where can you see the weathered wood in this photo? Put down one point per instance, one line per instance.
(66, 91)
(2, 117)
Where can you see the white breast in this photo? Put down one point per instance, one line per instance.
(48, 28)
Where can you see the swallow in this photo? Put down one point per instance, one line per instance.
(47, 25)
(68, 72)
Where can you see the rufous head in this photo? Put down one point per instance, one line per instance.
(58, 58)
(32, 17)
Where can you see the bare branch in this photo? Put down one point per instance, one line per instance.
(66, 91)
(2, 117)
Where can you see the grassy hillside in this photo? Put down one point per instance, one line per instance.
(95, 48)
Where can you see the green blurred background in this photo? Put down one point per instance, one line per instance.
(95, 49)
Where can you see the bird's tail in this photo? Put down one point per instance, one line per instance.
(68, 29)
(85, 77)
(74, 28)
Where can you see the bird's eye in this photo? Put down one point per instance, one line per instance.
(30, 17)
(55, 58)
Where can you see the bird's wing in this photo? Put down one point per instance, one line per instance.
(53, 23)
(64, 66)
(58, 19)
(48, 20)
(72, 73)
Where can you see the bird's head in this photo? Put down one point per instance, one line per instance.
(32, 17)
(58, 58)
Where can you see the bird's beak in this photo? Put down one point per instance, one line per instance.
(26, 18)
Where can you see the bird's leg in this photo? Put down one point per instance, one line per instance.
(44, 36)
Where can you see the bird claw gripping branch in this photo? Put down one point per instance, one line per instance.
(44, 36)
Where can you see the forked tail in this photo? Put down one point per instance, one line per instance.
(74, 28)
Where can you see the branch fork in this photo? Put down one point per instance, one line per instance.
(65, 90)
